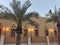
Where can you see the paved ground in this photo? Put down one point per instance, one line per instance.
(52, 43)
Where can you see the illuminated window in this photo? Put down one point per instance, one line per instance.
(36, 33)
(25, 32)
(51, 32)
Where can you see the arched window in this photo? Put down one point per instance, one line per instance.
(13, 30)
(46, 32)
(36, 32)
(25, 32)
(55, 32)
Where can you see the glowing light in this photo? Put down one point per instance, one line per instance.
(51, 30)
(5, 28)
(30, 30)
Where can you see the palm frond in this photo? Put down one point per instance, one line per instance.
(18, 13)
(49, 13)
(33, 23)
(16, 6)
(5, 9)
(9, 17)
(25, 6)
(7, 14)
(59, 12)
(29, 15)
(53, 17)
(49, 20)
(32, 14)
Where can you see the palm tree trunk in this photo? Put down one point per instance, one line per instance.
(58, 26)
(18, 39)
(19, 32)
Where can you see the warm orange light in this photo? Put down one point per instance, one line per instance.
(30, 30)
(51, 30)
(5, 28)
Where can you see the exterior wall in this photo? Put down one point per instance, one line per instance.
(34, 39)
(40, 39)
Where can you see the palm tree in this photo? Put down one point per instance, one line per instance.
(55, 17)
(19, 15)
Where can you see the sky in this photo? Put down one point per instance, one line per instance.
(40, 6)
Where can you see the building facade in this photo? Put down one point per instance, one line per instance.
(38, 36)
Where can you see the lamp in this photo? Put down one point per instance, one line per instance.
(30, 30)
(5, 29)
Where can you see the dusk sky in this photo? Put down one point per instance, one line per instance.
(41, 6)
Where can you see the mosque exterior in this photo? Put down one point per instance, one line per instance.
(38, 36)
